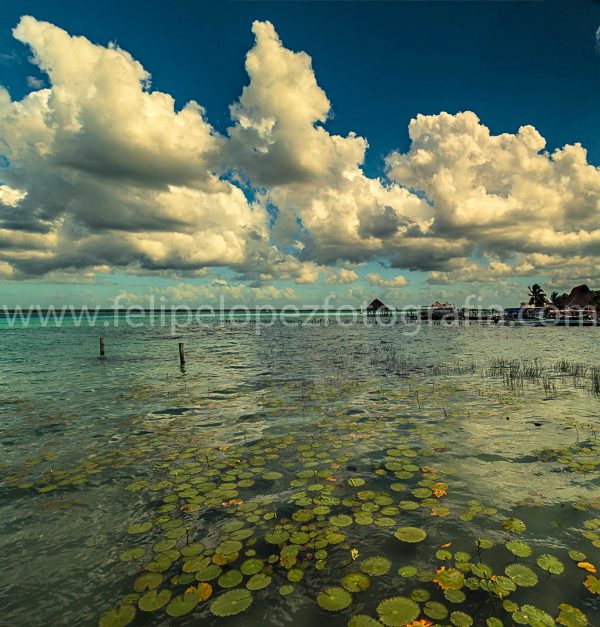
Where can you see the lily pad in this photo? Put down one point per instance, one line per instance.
(592, 584)
(230, 579)
(522, 575)
(252, 566)
(278, 536)
(132, 554)
(435, 610)
(355, 582)
(190, 550)
(461, 619)
(232, 602)
(363, 620)
(513, 524)
(148, 581)
(258, 581)
(398, 611)
(376, 566)
(410, 534)
(182, 604)
(531, 615)
(571, 616)
(154, 600)
(209, 573)
(343, 520)
(518, 548)
(577, 556)
(551, 564)
(118, 616)
(334, 599)
(136, 528)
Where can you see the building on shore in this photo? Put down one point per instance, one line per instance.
(377, 308)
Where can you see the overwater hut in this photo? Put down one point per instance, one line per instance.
(376, 307)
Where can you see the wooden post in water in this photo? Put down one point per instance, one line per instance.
(181, 354)
(101, 347)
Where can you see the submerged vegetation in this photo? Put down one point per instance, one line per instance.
(358, 512)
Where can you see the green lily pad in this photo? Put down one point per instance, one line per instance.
(258, 581)
(513, 524)
(518, 548)
(376, 566)
(577, 556)
(334, 599)
(299, 537)
(303, 516)
(592, 584)
(295, 575)
(139, 528)
(522, 575)
(154, 600)
(272, 476)
(132, 554)
(252, 566)
(450, 579)
(232, 602)
(531, 615)
(420, 595)
(278, 536)
(209, 573)
(421, 493)
(343, 520)
(148, 581)
(176, 532)
(571, 616)
(407, 571)
(455, 596)
(230, 579)
(461, 619)
(355, 582)
(363, 620)
(550, 564)
(228, 547)
(435, 610)
(397, 611)
(159, 564)
(166, 545)
(118, 616)
(410, 534)
(182, 604)
(196, 563)
(190, 550)
(285, 590)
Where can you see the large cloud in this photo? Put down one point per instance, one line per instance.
(103, 170)
(326, 202)
(504, 195)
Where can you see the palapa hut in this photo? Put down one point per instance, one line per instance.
(376, 307)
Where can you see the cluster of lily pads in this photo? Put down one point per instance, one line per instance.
(352, 516)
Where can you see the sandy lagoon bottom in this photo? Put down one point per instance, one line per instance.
(308, 476)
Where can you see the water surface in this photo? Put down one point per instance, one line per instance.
(358, 421)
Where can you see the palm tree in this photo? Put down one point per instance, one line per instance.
(537, 296)
(558, 299)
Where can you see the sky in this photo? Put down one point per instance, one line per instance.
(290, 152)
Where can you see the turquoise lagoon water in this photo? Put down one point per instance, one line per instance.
(323, 438)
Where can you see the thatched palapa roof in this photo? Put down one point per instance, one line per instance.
(377, 305)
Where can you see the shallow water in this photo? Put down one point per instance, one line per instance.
(91, 446)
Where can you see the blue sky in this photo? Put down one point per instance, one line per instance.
(380, 64)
